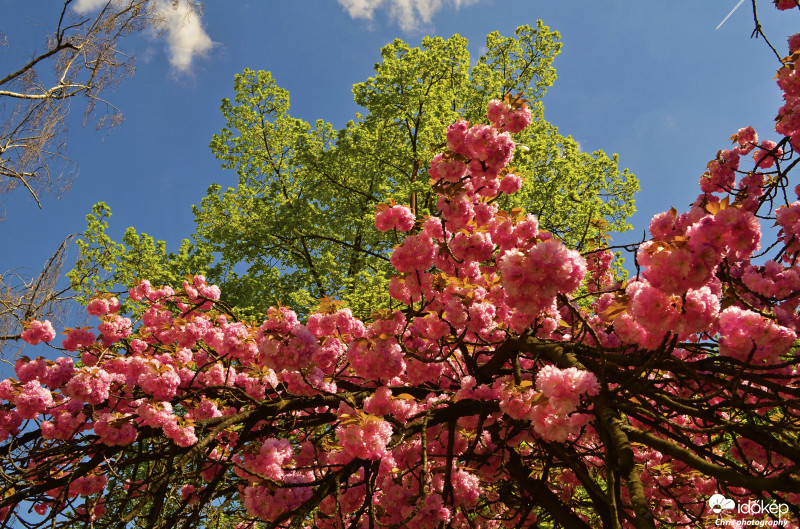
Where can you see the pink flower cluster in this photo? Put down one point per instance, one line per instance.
(417, 252)
(363, 437)
(198, 289)
(480, 150)
(557, 427)
(284, 343)
(747, 138)
(265, 461)
(115, 430)
(382, 403)
(504, 117)
(161, 415)
(693, 245)
(651, 313)
(89, 384)
(160, 381)
(551, 409)
(51, 374)
(768, 154)
(788, 218)
(564, 387)
(747, 335)
(475, 246)
(378, 355)
(533, 279)
(38, 331)
(394, 217)
(67, 420)
(78, 339)
(772, 280)
(189, 494)
(103, 306)
(516, 402)
(788, 79)
(88, 485)
(144, 290)
(33, 400)
(114, 328)
(10, 422)
(268, 503)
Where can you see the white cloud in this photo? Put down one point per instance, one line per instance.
(184, 32)
(177, 22)
(84, 6)
(407, 13)
(361, 8)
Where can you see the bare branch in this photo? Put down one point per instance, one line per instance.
(81, 60)
(24, 297)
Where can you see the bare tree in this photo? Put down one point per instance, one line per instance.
(24, 296)
(78, 61)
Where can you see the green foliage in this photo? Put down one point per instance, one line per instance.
(298, 226)
(106, 266)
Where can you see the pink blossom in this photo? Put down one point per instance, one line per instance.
(450, 169)
(518, 120)
(746, 334)
(557, 427)
(27, 369)
(768, 154)
(67, 420)
(103, 306)
(183, 436)
(794, 43)
(747, 138)
(498, 111)
(477, 246)
(140, 291)
(267, 462)
(456, 137)
(783, 5)
(365, 440)
(510, 184)
(10, 421)
(397, 218)
(654, 310)
(88, 485)
(33, 400)
(114, 329)
(533, 278)
(414, 253)
(662, 226)
(563, 387)
(89, 384)
(38, 331)
(115, 430)
(77, 339)
(379, 360)
(269, 503)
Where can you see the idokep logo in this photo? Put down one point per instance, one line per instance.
(719, 503)
(756, 508)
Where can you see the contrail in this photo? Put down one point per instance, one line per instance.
(729, 14)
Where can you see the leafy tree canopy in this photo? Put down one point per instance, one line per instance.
(297, 227)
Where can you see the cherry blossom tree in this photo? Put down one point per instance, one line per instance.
(518, 383)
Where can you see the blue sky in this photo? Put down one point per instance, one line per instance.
(651, 80)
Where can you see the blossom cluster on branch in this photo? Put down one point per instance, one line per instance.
(519, 383)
